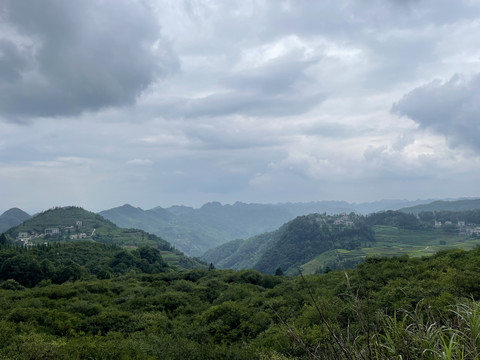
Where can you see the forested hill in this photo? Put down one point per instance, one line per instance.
(386, 308)
(11, 218)
(294, 244)
(320, 242)
(60, 262)
(438, 206)
(191, 238)
(69, 224)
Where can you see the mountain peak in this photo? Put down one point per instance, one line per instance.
(212, 205)
(11, 218)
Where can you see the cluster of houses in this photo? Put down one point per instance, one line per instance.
(344, 220)
(462, 227)
(25, 238)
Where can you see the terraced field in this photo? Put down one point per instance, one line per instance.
(392, 241)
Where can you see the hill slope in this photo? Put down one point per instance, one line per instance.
(191, 238)
(11, 218)
(239, 220)
(294, 244)
(457, 205)
(74, 223)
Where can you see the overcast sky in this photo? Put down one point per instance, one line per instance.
(163, 102)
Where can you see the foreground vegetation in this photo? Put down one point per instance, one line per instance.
(386, 308)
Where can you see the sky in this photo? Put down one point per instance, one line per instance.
(163, 102)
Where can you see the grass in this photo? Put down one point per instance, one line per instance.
(419, 334)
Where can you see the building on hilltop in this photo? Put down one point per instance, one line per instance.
(52, 231)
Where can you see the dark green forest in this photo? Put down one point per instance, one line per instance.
(118, 304)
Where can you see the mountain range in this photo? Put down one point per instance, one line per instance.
(194, 231)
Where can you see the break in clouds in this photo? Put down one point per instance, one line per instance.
(61, 58)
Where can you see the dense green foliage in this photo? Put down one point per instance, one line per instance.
(394, 218)
(294, 244)
(311, 235)
(61, 262)
(386, 308)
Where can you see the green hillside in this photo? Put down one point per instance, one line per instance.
(70, 224)
(191, 238)
(315, 244)
(294, 244)
(441, 205)
(60, 262)
(387, 308)
(240, 254)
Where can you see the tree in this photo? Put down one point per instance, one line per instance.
(3, 240)
(279, 271)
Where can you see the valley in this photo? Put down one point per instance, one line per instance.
(320, 286)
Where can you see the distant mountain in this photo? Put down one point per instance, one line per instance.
(179, 209)
(343, 207)
(239, 220)
(191, 238)
(293, 244)
(195, 231)
(441, 205)
(74, 223)
(11, 218)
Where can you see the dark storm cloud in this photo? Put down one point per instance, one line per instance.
(451, 108)
(12, 61)
(62, 58)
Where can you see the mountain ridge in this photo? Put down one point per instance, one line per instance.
(444, 205)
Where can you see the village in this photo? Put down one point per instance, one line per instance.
(72, 232)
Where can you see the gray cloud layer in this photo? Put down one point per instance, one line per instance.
(450, 108)
(188, 101)
(67, 57)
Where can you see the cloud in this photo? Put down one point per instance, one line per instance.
(272, 80)
(64, 58)
(450, 108)
(140, 162)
